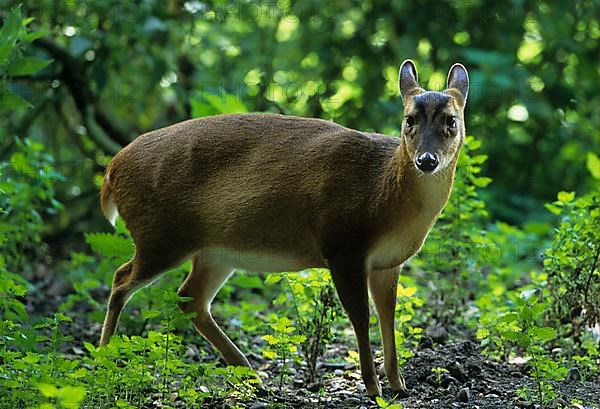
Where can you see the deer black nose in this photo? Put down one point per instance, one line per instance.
(427, 162)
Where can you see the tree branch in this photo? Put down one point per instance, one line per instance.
(74, 74)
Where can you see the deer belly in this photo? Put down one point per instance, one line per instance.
(252, 260)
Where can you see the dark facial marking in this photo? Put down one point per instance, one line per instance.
(431, 103)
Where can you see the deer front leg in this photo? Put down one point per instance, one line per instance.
(383, 285)
(350, 279)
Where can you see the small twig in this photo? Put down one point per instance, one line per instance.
(589, 279)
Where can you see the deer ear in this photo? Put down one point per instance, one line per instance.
(407, 79)
(458, 79)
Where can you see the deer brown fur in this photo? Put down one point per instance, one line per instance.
(266, 192)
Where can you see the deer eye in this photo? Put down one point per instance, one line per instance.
(410, 121)
(451, 122)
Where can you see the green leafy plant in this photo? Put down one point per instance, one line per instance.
(383, 404)
(67, 397)
(523, 327)
(283, 343)
(34, 370)
(27, 187)
(439, 373)
(15, 38)
(573, 263)
(587, 361)
(311, 296)
(408, 333)
(11, 288)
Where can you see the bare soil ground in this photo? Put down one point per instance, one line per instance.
(472, 381)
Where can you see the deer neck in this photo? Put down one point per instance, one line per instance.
(407, 192)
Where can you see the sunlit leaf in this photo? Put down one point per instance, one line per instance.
(566, 197)
(27, 66)
(593, 164)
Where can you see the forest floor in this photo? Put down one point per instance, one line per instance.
(470, 379)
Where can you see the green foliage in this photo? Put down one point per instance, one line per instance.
(593, 165)
(15, 39)
(128, 371)
(112, 245)
(112, 250)
(523, 327)
(84, 283)
(11, 287)
(573, 262)
(132, 366)
(408, 331)
(67, 396)
(213, 104)
(27, 188)
(381, 403)
(282, 343)
(310, 295)
(439, 373)
(34, 370)
(586, 357)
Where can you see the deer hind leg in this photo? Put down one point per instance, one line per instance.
(121, 290)
(202, 284)
(383, 285)
(127, 279)
(147, 264)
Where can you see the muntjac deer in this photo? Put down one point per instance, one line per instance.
(264, 192)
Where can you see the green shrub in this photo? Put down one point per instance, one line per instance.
(15, 39)
(573, 265)
(310, 296)
(409, 317)
(522, 328)
(27, 187)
